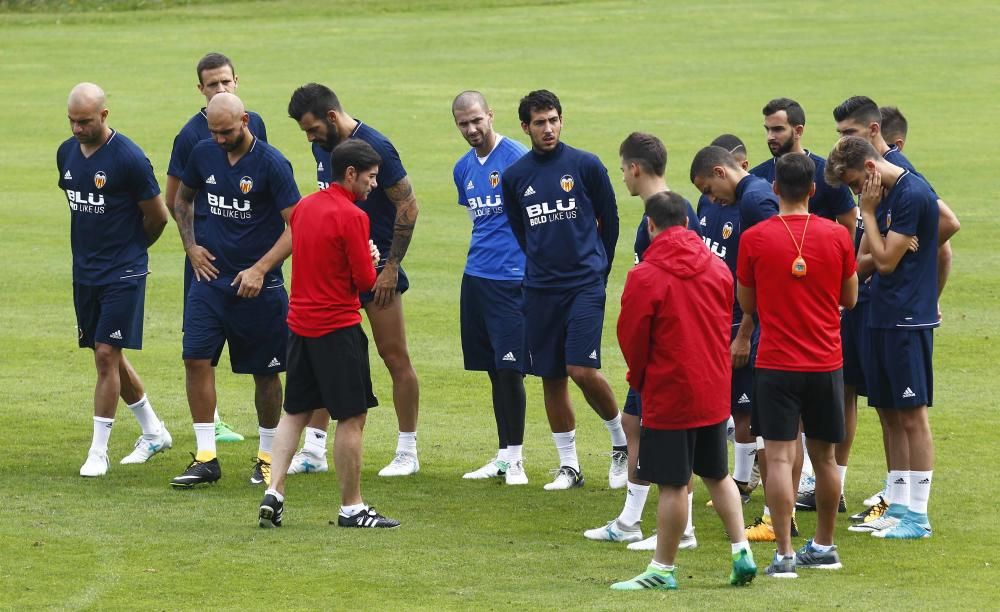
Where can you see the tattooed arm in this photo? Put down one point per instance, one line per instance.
(401, 195)
(201, 258)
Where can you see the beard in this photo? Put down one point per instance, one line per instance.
(236, 143)
(780, 148)
(332, 136)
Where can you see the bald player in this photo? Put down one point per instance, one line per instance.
(232, 209)
(116, 213)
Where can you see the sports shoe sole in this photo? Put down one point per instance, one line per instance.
(265, 516)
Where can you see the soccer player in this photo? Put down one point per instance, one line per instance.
(643, 164)
(562, 209)
(860, 116)
(392, 213)
(896, 207)
(894, 127)
(795, 271)
(733, 201)
(492, 297)
(246, 192)
(784, 124)
(216, 74)
(116, 213)
(674, 333)
(328, 351)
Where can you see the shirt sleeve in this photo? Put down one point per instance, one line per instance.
(391, 170)
(641, 239)
(358, 256)
(257, 127)
(512, 207)
(905, 214)
(61, 154)
(602, 198)
(693, 223)
(458, 183)
(843, 239)
(191, 175)
(141, 178)
(179, 154)
(284, 191)
(744, 262)
(757, 209)
(840, 199)
(634, 327)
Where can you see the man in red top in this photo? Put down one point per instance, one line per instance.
(674, 331)
(332, 262)
(794, 271)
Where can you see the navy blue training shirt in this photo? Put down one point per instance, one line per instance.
(103, 192)
(196, 130)
(642, 232)
(562, 210)
(828, 202)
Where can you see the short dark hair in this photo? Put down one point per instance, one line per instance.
(355, 153)
(793, 175)
(731, 143)
(667, 209)
(315, 99)
(710, 157)
(894, 124)
(538, 100)
(796, 115)
(211, 61)
(858, 108)
(467, 99)
(850, 153)
(646, 150)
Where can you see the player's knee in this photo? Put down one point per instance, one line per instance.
(197, 367)
(107, 358)
(396, 358)
(581, 375)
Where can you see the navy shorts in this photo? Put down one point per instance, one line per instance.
(633, 403)
(855, 337)
(331, 371)
(110, 314)
(563, 327)
(188, 280)
(669, 456)
(902, 375)
(255, 328)
(741, 397)
(402, 284)
(785, 398)
(492, 324)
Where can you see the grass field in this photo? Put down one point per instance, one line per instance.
(687, 73)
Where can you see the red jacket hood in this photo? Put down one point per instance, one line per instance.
(679, 251)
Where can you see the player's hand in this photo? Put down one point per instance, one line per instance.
(739, 350)
(373, 250)
(201, 262)
(248, 282)
(914, 244)
(385, 285)
(871, 192)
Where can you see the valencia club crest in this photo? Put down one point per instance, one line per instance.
(566, 182)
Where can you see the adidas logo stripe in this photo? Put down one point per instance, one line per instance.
(908, 392)
(529, 191)
(593, 354)
(470, 186)
(743, 399)
(68, 176)
(117, 334)
(210, 180)
(509, 357)
(274, 363)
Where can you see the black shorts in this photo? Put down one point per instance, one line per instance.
(329, 372)
(782, 398)
(669, 456)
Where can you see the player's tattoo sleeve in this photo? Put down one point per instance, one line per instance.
(184, 214)
(401, 195)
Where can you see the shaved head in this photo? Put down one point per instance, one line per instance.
(227, 121)
(469, 99)
(225, 106)
(88, 115)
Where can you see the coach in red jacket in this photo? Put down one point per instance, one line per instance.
(332, 261)
(674, 332)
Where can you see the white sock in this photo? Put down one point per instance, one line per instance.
(743, 454)
(266, 439)
(615, 429)
(148, 422)
(731, 429)
(102, 432)
(204, 434)
(690, 526)
(843, 477)
(566, 445)
(315, 441)
(920, 490)
(663, 567)
(407, 442)
(807, 464)
(515, 453)
(738, 546)
(635, 501)
(502, 454)
(899, 487)
(277, 495)
(353, 509)
(217, 418)
(821, 547)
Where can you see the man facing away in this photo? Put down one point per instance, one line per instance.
(795, 271)
(328, 351)
(116, 214)
(562, 210)
(674, 333)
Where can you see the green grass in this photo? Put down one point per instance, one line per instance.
(686, 73)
